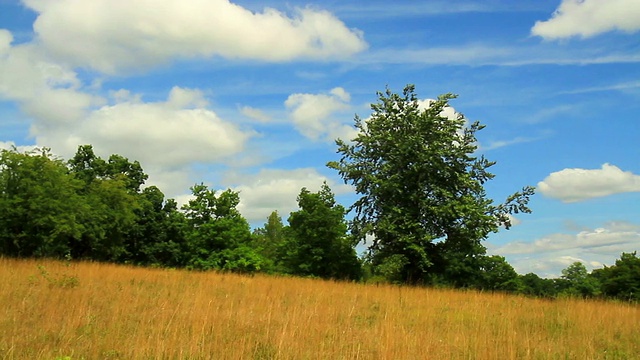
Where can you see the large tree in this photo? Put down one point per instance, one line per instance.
(421, 188)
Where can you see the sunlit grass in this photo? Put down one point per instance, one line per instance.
(52, 310)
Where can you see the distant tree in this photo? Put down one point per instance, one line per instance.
(534, 285)
(39, 204)
(578, 282)
(621, 281)
(218, 236)
(131, 172)
(422, 189)
(269, 240)
(86, 166)
(498, 275)
(174, 251)
(318, 244)
(89, 167)
(157, 236)
(107, 211)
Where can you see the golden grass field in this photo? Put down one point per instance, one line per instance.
(58, 310)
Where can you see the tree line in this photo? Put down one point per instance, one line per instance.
(95, 209)
(423, 211)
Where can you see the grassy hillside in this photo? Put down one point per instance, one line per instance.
(51, 310)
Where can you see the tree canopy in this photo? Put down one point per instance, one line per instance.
(421, 187)
(318, 244)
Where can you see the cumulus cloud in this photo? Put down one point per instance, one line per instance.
(50, 93)
(168, 137)
(571, 185)
(613, 238)
(448, 112)
(6, 38)
(550, 267)
(171, 133)
(587, 18)
(312, 114)
(115, 35)
(548, 255)
(276, 189)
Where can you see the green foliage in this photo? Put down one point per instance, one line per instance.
(64, 281)
(157, 236)
(621, 281)
(318, 244)
(107, 208)
(421, 188)
(422, 201)
(498, 275)
(534, 285)
(270, 241)
(391, 268)
(39, 205)
(218, 236)
(578, 283)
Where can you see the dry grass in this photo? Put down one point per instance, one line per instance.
(53, 310)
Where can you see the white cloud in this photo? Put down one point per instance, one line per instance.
(550, 267)
(171, 134)
(6, 38)
(631, 85)
(115, 35)
(488, 54)
(612, 238)
(548, 255)
(496, 144)
(571, 185)
(255, 114)
(276, 189)
(312, 114)
(167, 137)
(514, 220)
(448, 112)
(9, 145)
(50, 93)
(587, 18)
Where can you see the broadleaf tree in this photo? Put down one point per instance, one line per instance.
(219, 236)
(39, 206)
(318, 244)
(421, 187)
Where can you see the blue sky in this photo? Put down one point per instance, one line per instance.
(249, 95)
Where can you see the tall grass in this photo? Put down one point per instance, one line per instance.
(54, 310)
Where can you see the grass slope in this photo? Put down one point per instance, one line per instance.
(53, 310)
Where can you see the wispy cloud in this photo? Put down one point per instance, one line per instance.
(480, 54)
(615, 87)
(385, 9)
(550, 113)
(496, 144)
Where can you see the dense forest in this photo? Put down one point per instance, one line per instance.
(422, 201)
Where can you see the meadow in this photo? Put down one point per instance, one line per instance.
(78, 310)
